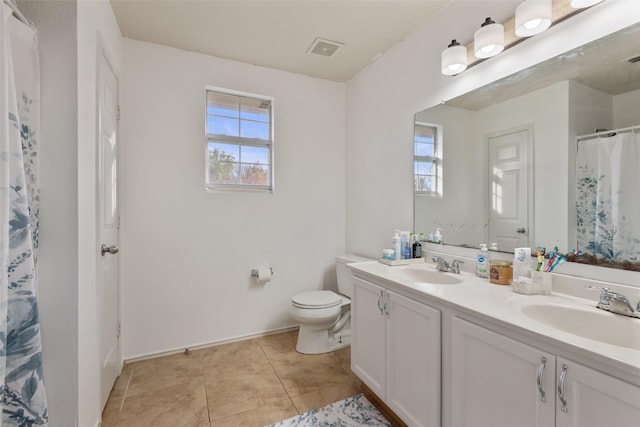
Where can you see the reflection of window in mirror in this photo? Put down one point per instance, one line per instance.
(427, 159)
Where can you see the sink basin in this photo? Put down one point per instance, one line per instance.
(587, 322)
(424, 274)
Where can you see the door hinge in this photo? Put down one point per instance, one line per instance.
(118, 112)
(119, 330)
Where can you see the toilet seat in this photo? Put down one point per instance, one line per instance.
(316, 299)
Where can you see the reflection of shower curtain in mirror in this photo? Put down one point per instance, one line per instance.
(608, 196)
(23, 400)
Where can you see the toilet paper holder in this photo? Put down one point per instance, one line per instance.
(254, 272)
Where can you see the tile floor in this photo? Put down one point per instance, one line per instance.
(248, 383)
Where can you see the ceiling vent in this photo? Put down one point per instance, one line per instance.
(324, 47)
(634, 59)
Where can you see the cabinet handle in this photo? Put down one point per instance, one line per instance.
(543, 362)
(380, 302)
(386, 304)
(561, 396)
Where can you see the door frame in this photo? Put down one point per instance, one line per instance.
(529, 128)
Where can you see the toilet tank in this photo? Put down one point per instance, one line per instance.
(344, 274)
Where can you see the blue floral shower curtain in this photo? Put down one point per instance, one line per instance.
(21, 379)
(608, 195)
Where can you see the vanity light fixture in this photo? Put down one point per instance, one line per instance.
(454, 59)
(581, 4)
(488, 41)
(533, 17)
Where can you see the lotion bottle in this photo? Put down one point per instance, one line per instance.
(482, 262)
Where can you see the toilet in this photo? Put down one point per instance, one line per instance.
(325, 316)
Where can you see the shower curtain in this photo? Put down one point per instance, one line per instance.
(21, 378)
(608, 196)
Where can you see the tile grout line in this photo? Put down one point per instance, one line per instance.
(279, 379)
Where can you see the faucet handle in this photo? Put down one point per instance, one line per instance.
(605, 295)
(455, 265)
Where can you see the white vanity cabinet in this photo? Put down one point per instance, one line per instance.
(594, 399)
(498, 381)
(395, 351)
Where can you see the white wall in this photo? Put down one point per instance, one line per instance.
(58, 253)
(625, 110)
(187, 254)
(382, 99)
(96, 24)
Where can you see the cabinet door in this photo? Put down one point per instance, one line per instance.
(495, 380)
(368, 335)
(413, 361)
(594, 399)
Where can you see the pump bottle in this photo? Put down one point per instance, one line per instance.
(482, 262)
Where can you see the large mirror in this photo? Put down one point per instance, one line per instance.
(498, 164)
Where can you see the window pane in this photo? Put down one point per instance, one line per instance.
(425, 149)
(423, 132)
(223, 104)
(222, 126)
(259, 130)
(255, 155)
(223, 172)
(424, 168)
(255, 174)
(424, 183)
(255, 109)
(224, 152)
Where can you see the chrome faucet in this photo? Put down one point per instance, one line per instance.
(442, 265)
(615, 302)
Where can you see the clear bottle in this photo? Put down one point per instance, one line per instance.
(397, 253)
(417, 246)
(482, 262)
(437, 237)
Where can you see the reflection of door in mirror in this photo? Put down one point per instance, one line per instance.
(509, 187)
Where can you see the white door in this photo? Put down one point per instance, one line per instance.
(108, 225)
(413, 361)
(509, 189)
(587, 398)
(499, 382)
(368, 335)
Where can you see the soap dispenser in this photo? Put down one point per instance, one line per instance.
(482, 262)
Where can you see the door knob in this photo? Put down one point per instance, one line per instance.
(113, 249)
(521, 230)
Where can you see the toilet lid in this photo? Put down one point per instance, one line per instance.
(317, 299)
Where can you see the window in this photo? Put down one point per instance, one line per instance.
(427, 159)
(239, 151)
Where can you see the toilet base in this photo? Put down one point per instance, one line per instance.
(313, 341)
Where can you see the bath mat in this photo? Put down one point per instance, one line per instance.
(355, 411)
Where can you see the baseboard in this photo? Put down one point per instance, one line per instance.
(208, 344)
(382, 407)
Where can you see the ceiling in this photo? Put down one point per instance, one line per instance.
(278, 33)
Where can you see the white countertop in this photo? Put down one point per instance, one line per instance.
(492, 302)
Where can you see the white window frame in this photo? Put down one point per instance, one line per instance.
(216, 187)
(436, 159)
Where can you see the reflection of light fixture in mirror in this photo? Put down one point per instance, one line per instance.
(488, 41)
(533, 17)
(454, 59)
(581, 4)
